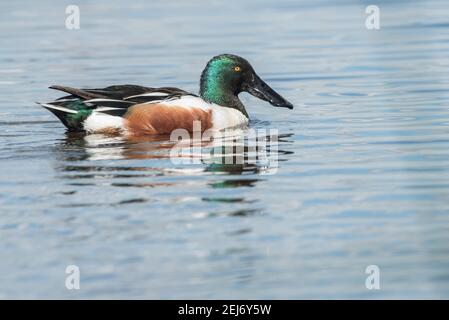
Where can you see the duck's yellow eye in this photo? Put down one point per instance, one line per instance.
(237, 69)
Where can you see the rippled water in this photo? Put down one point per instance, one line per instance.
(363, 170)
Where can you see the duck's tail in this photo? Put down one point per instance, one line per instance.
(69, 113)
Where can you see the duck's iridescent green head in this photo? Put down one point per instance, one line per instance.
(226, 75)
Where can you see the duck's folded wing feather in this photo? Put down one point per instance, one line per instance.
(117, 96)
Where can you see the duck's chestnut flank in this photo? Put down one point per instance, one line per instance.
(162, 119)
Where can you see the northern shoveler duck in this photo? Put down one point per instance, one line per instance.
(137, 110)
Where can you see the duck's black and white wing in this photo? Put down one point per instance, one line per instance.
(113, 100)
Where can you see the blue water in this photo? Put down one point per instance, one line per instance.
(363, 175)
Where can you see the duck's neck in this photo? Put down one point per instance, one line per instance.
(213, 89)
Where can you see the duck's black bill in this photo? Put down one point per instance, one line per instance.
(261, 90)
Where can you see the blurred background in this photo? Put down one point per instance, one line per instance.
(363, 158)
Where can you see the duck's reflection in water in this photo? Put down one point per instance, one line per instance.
(94, 159)
(103, 172)
(232, 153)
